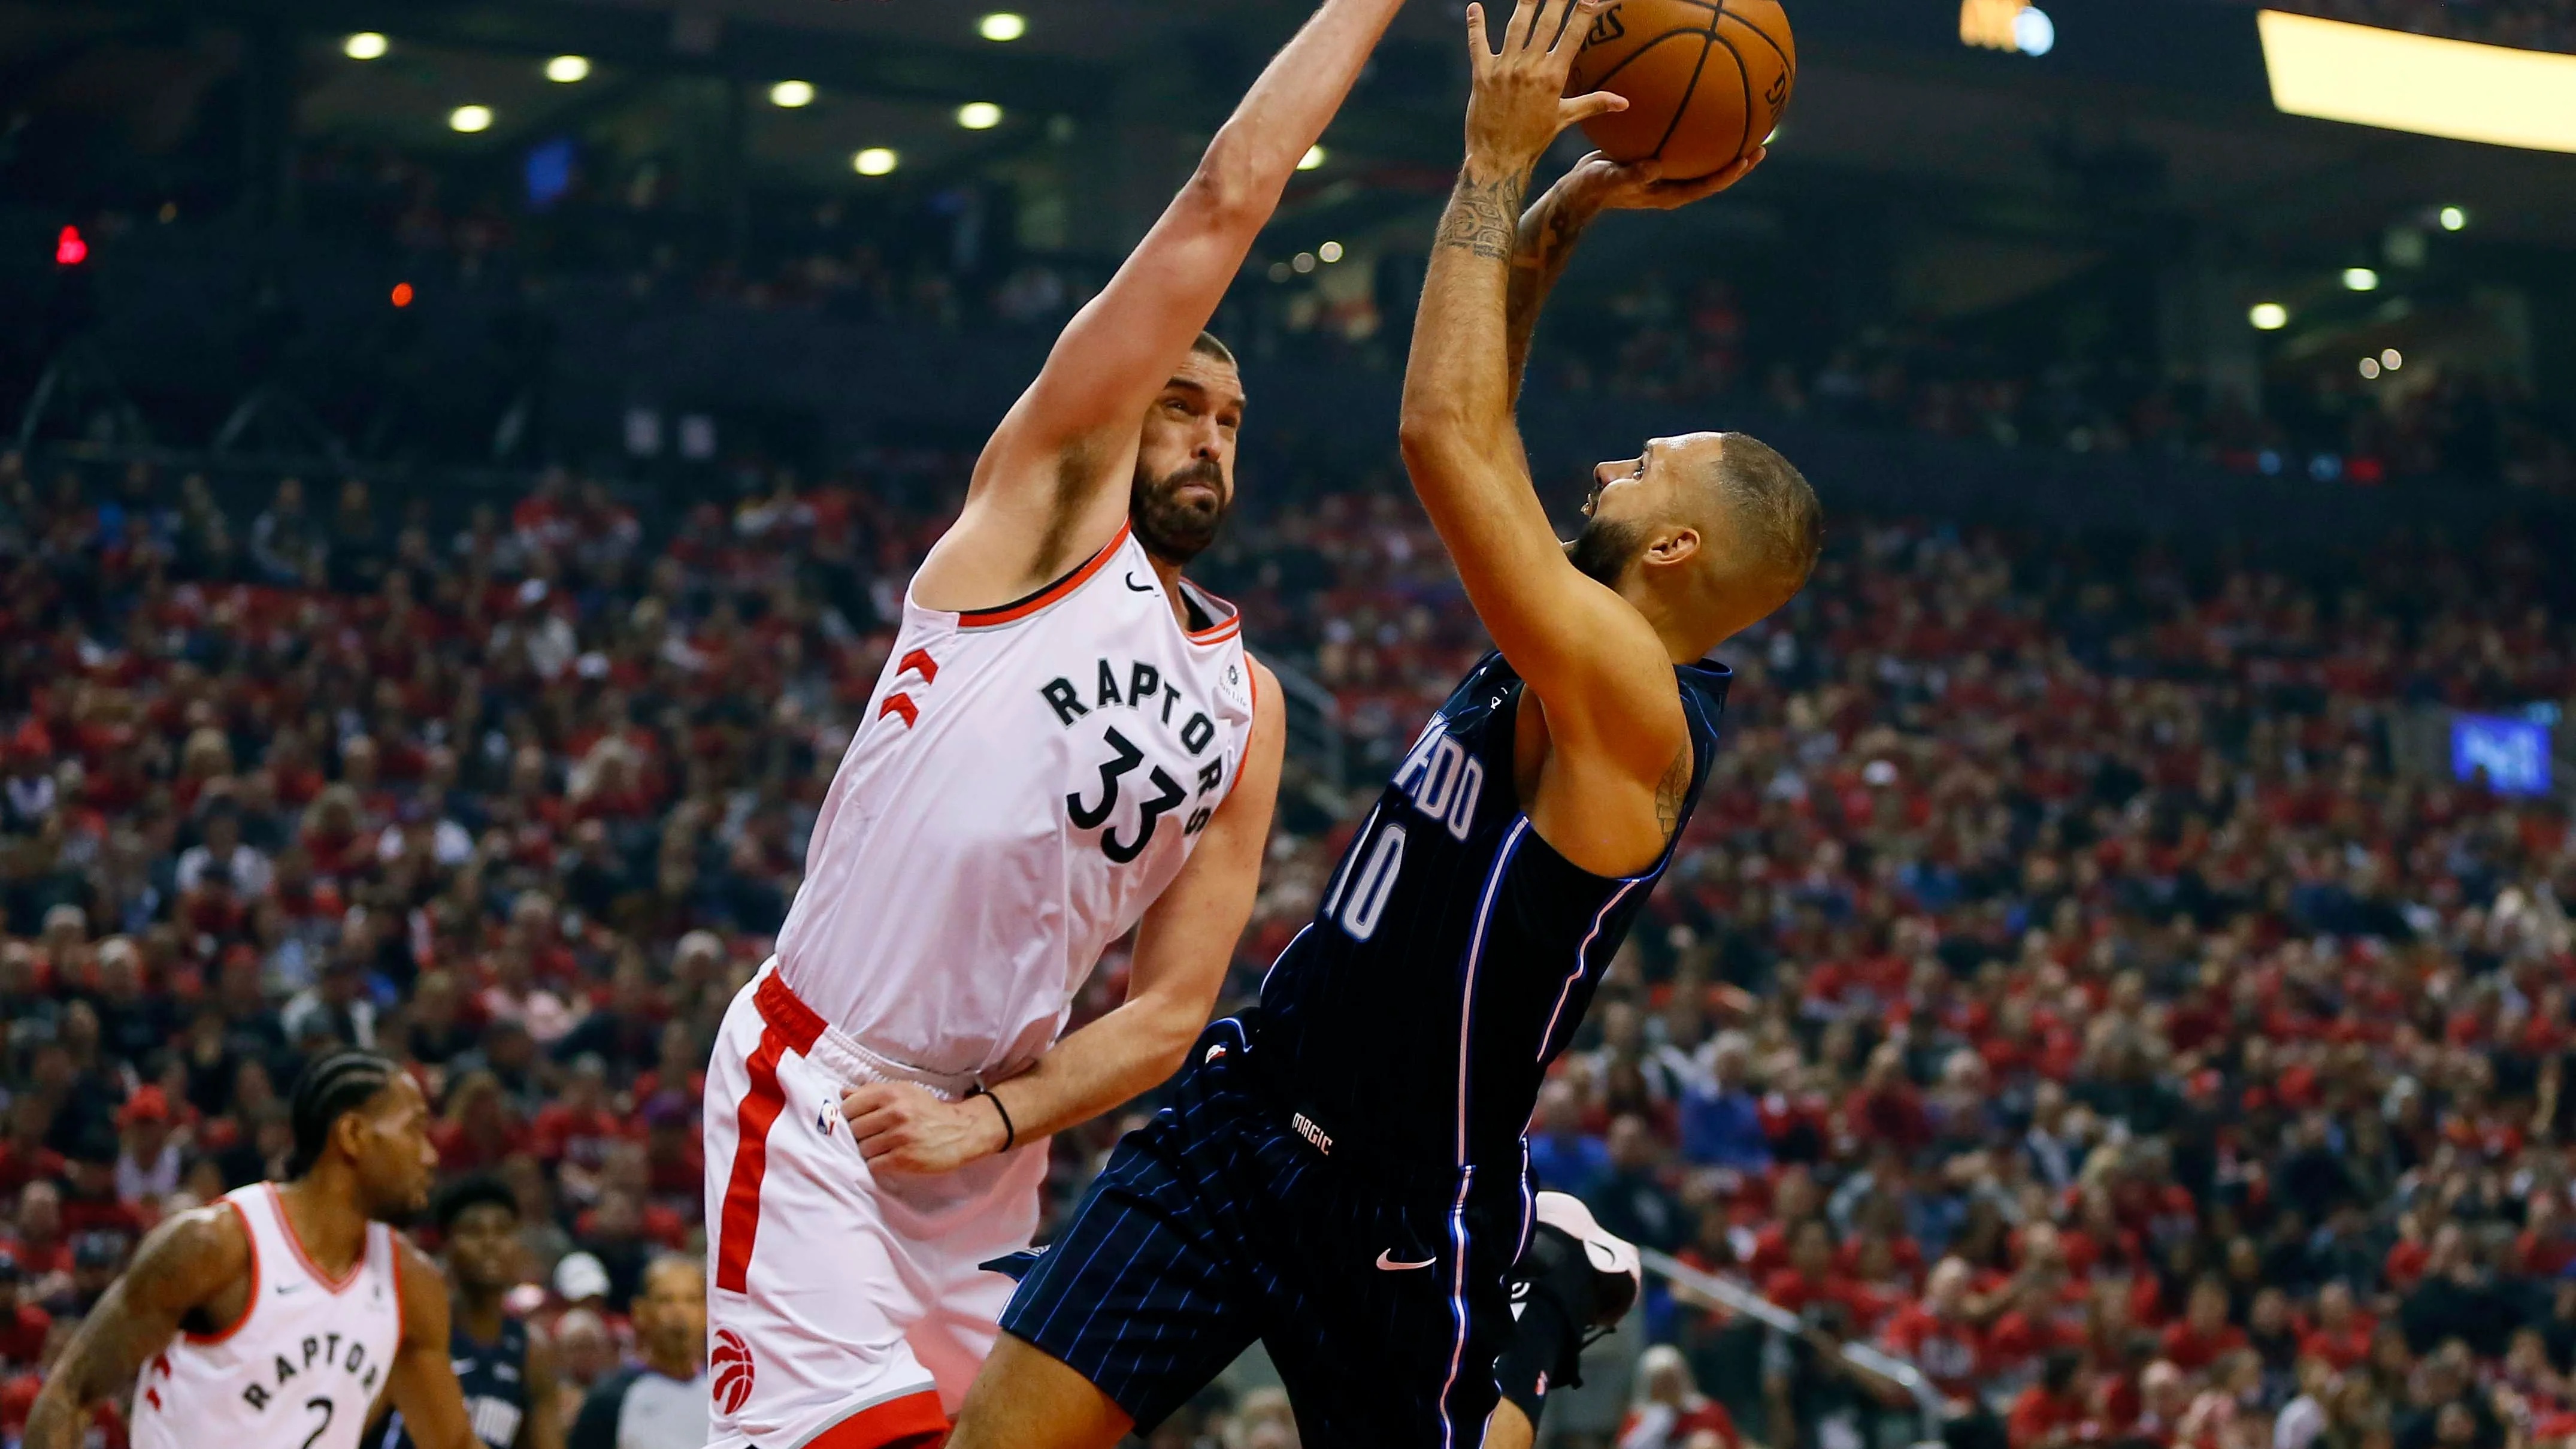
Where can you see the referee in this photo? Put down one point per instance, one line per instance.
(661, 1404)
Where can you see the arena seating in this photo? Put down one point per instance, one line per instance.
(2059, 908)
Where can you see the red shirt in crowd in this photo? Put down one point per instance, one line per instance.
(566, 1134)
(2039, 1413)
(1707, 1414)
(2342, 1350)
(1951, 1352)
(2191, 1350)
(1794, 1290)
(22, 1335)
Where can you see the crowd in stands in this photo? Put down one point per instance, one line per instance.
(2452, 421)
(2061, 982)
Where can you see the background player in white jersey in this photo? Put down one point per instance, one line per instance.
(1067, 742)
(281, 1314)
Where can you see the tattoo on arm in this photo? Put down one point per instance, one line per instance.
(1545, 244)
(1484, 216)
(180, 1266)
(1671, 791)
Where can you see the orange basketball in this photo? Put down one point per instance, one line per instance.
(1706, 80)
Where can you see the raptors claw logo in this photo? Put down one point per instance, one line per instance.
(731, 1363)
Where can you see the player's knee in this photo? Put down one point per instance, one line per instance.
(1027, 1398)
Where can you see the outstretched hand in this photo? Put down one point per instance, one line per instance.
(1518, 105)
(1598, 183)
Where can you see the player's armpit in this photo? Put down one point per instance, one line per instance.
(1053, 482)
(1187, 939)
(422, 1383)
(185, 1263)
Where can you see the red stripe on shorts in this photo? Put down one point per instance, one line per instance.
(760, 1107)
(911, 1422)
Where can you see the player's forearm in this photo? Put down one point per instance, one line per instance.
(82, 1379)
(1248, 165)
(55, 1421)
(1457, 395)
(1548, 232)
(1114, 1060)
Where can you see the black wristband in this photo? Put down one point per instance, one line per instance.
(1010, 1133)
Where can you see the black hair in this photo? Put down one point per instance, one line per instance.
(1207, 345)
(329, 1089)
(479, 1189)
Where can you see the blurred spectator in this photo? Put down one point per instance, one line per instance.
(1670, 1411)
(660, 1403)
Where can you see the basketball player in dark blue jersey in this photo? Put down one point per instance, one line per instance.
(1343, 1174)
(506, 1368)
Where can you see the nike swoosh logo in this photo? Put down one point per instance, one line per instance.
(1386, 1263)
(1139, 588)
(285, 1288)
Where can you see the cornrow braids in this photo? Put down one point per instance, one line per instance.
(329, 1089)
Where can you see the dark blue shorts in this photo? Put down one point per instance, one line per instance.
(1381, 1293)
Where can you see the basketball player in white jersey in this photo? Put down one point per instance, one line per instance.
(1068, 741)
(281, 1313)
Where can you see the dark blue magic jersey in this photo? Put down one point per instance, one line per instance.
(495, 1379)
(1454, 951)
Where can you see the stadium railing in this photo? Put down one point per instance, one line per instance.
(1874, 1363)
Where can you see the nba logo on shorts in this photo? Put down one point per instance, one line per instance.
(731, 1362)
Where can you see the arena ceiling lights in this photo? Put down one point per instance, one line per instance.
(2336, 71)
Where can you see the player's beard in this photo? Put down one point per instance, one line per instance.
(1605, 548)
(1176, 529)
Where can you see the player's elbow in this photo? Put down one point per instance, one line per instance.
(1229, 192)
(1431, 435)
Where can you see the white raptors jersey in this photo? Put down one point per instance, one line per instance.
(302, 1365)
(1027, 781)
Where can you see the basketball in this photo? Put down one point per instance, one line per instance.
(1705, 82)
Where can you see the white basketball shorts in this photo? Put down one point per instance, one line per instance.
(844, 1310)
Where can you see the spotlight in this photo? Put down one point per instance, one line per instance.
(2392, 359)
(1002, 27)
(979, 115)
(566, 70)
(2360, 279)
(2454, 219)
(1330, 251)
(1303, 263)
(876, 161)
(70, 247)
(2268, 316)
(365, 45)
(470, 119)
(402, 294)
(788, 95)
(2369, 368)
(1315, 157)
(2033, 32)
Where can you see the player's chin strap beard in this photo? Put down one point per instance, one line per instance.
(1604, 549)
(1172, 531)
